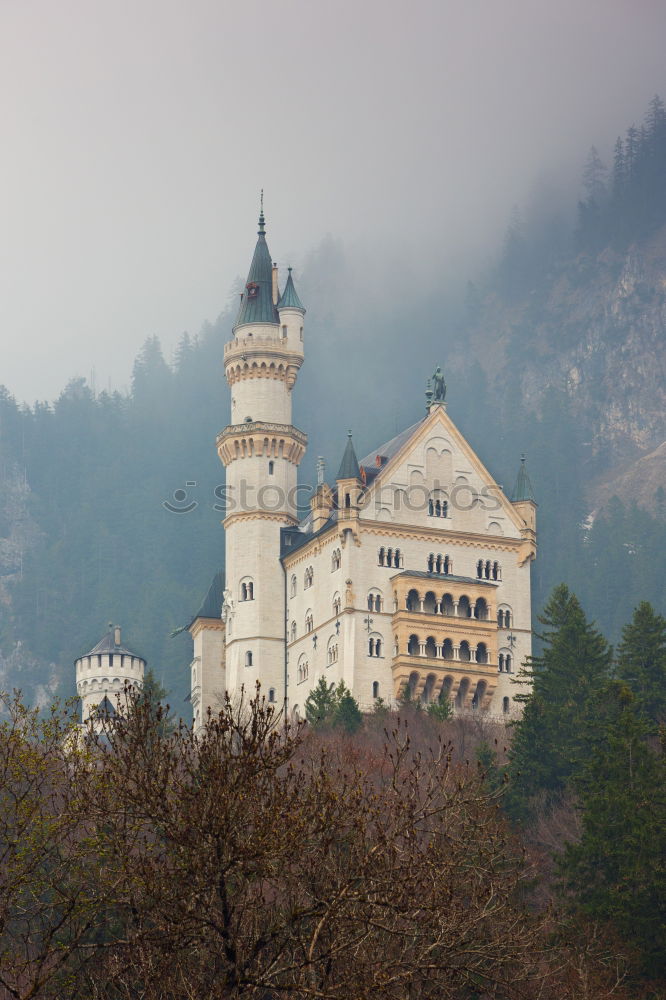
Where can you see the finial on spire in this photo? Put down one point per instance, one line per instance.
(262, 221)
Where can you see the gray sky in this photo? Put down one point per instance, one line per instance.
(136, 135)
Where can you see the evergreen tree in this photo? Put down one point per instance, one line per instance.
(347, 714)
(552, 737)
(641, 662)
(321, 704)
(617, 872)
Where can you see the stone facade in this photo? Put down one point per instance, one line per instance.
(411, 570)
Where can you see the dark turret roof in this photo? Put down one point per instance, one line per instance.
(257, 300)
(289, 298)
(107, 644)
(349, 468)
(523, 488)
(211, 606)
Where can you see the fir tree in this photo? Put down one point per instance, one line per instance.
(617, 872)
(347, 714)
(552, 737)
(321, 704)
(641, 662)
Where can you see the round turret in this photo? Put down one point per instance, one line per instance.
(101, 674)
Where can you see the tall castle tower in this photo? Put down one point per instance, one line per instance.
(261, 450)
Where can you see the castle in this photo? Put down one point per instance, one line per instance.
(412, 570)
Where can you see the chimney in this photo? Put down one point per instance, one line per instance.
(275, 283)
(116, 635)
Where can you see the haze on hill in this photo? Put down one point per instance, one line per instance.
(137, 138)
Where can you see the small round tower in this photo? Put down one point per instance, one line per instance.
(101, 675)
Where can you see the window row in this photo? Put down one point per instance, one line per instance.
(460, 607)
(488, 570)
(438, 508)
(390, 557)
(447, 650)
(439, 564)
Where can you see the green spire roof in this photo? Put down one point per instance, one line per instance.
(349, 468)
(257, 299)
(523, 488)
(212, 602)
(289, 299)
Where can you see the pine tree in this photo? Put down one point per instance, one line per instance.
(551, 738)
(617, 871)
(641, 662)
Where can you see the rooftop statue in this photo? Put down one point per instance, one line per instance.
(439, 386)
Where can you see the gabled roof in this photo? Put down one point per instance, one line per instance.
(349, 468)
(211, 606)
(387, 451)
(523, 488)
(289, 298)
(396, 449)
(257, 299)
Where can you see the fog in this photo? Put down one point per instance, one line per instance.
(137, 136)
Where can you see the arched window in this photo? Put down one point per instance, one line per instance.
(381, 556)
(308, 578)
(496, 571)
(447, 565)
(507, 664)
(413, 645)
(389, 557)
(248, 658)
(375, 689)
(501, 663)
(479, 569)
(309, 621)
(292, 589)
(431, 563)
(293, 631)
(505, 705)
(332, 651)
(243, 592)
(336, 560)
(375, 644)
(271, 468)
(397, 559)
(303, 669)
(375, 602)
(271, 694)
(337, 604)
(504, 617)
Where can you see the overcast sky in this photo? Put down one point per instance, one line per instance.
(136, 135)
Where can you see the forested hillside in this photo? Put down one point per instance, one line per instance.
(558, 353)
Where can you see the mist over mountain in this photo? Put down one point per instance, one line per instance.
(556, 349)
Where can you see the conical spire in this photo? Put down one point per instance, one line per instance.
(523, 488)
(289, 298)
(349, 467)
(257, 300)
